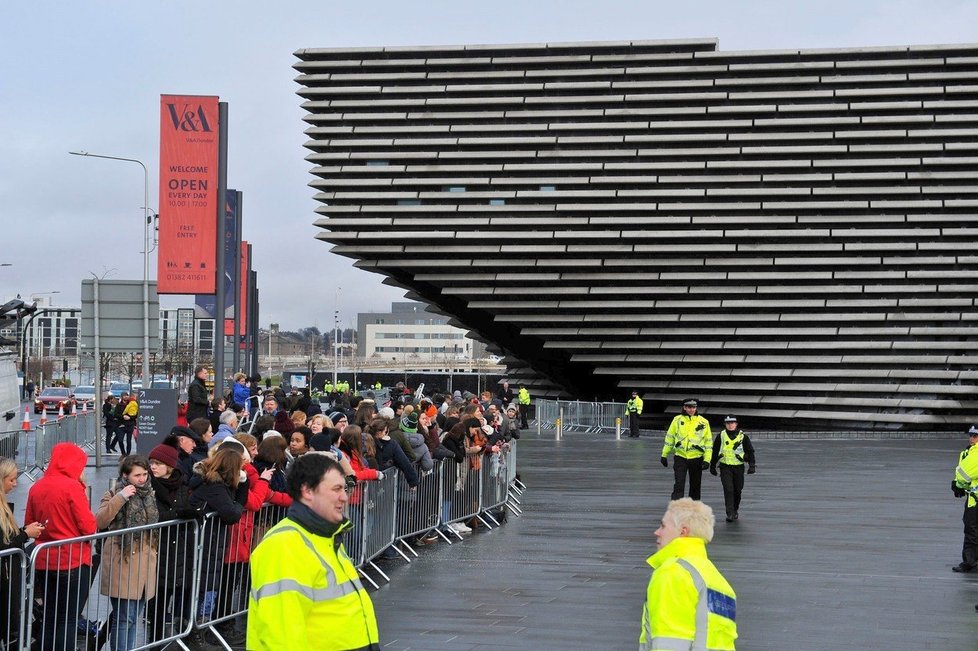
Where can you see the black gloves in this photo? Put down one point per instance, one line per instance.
(957, 490)
(665, 462)
(706, 464)
(752, 470)
(713, 471)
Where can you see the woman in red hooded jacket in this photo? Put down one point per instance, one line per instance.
(58, 500)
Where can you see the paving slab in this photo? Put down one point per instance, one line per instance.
(841, 544)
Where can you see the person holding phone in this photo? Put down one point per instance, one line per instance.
(11, 537)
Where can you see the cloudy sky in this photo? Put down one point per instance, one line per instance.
(88, 76)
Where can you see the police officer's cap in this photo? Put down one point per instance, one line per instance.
(690, 403)
(973, 431)
(730, 419)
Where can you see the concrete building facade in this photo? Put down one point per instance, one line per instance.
(409, 333)
(786, 235)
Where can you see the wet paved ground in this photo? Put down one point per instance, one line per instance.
(840, 545)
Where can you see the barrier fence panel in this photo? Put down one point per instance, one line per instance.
(461, 491)
(14, 446)
(418, 511)
(380, 502)
(591, 417)
(223, 575)
(13, 592)
(495, 487)
(354, 539)
(96, 589)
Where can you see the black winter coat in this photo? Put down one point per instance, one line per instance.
(196, 400)
(390, 454)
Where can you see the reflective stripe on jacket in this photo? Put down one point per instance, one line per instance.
(306, 594)
(689, 605)
(966, 473)
(732, 449)
(689, 437)
(634, 406)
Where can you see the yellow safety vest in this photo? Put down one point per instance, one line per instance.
(732, 449)
(523, 397)
(688, 604)
(689, 438)
(966, 473)
(306, 594)
(634, 406)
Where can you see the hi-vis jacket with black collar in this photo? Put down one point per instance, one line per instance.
(689, 437)
(305, 594)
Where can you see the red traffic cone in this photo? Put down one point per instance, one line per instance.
(61, 411)
(26, 425)
(44, 415)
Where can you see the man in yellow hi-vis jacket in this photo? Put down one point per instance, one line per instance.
(305, 592)
(689, 438)
(688, 604)
(965, 484)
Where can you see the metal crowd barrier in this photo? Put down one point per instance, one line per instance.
(380, 517)
(195, 572)
(13, 618)
(419, 511)
(31, 449)
(128, 566)
(591, 417)
(461, 493)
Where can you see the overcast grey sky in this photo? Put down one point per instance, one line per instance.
(88, 75)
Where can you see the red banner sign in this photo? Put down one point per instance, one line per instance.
(242, 297)
(189, 158)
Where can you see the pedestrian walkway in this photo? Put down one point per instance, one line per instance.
(841, 544)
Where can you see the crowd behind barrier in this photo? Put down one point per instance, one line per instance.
(180, 578)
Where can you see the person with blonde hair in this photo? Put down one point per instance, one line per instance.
(688, 603)
(11, 537)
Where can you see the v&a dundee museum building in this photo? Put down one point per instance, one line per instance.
(786, 235)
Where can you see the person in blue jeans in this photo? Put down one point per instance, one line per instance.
(128, 569)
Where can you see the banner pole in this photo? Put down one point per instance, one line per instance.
(220, 307)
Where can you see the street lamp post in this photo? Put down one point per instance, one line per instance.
(146, 247)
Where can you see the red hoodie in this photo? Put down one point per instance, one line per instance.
(59, 501)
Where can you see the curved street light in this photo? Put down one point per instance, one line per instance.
(146, 249)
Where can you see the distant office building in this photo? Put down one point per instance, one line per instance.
(408, 333)
(788, 236)
(183, 333)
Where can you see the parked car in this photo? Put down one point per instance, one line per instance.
(85, 394)
(118, 388)
(52, 399)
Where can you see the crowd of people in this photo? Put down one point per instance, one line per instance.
(227, 462)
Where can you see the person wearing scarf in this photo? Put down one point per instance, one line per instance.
(128, 569)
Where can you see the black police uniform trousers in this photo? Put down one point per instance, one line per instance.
(633, 425)
(682, 466)
(969, 551)
(732, 480)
